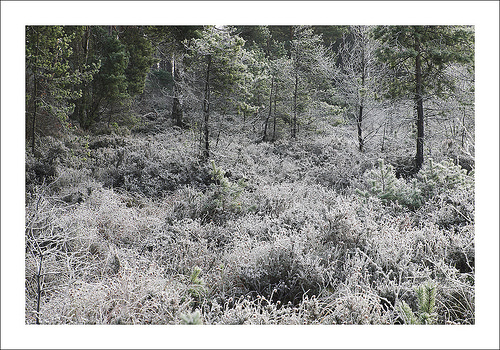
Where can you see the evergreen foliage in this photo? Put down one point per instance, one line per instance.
(123, 56)
(51, 82)
(438, 47)
(140, 52)
(216, 61)
(426, 298)
(419, 57)
(439, 177)
(311, 68)
(385, 185)
(193, 318)
(434, 180)
(197, 285)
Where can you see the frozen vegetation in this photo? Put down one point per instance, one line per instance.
(135, 229)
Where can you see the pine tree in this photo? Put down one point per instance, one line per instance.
(124, 57)
(140, 53)
(426, 298)
(216, 60)
(50, 77)
(103, 48)
(419, 56)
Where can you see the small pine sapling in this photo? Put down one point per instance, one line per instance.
(426, 297)
(385, 185)
(197, 285)
(193, 318)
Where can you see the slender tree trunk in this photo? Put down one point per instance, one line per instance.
(176, 105)
(270, 109)
(419, 157)
(82, 105)
(38, 289)
(383, 139)
(33, 126)
(35, 96)
(294, 118)
(274, 114)
(206, 109)
(361, 102)
(359, 122)
(463, 128)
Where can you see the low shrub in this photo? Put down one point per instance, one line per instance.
(279, 268)
(433, 181)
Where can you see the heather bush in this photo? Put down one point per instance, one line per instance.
(279, 267)
(138, 295)
(259, 310)
(218, 203)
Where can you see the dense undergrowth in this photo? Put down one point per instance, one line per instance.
(132, 228)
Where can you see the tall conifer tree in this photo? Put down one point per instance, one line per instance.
(419, 56)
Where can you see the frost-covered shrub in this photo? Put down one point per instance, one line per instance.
(258, 227)
(272, 200)
(456, 299)
(280, 267)
(351, 299)
(438, 178)
(184, 244)
(384, 184)
(435, 180)
(58, 251)
(259, 310)
(107, 141)
(152, 166)
(139, 295)
(453, 208)
(339, 169)
(42, 165)
(218, 203)
(342, 224)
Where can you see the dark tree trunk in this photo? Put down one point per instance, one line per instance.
(463, 129)
(274, 114)
(359, 123)
(33, 126)
(177, 110)
(206, 109)
(419, 157)
(176, 105)
(38, 289)
(361, 103)
(294, 118)
(35, 96)
(82, 106)
(270, 110)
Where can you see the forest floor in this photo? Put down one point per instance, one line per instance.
(130, 227)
